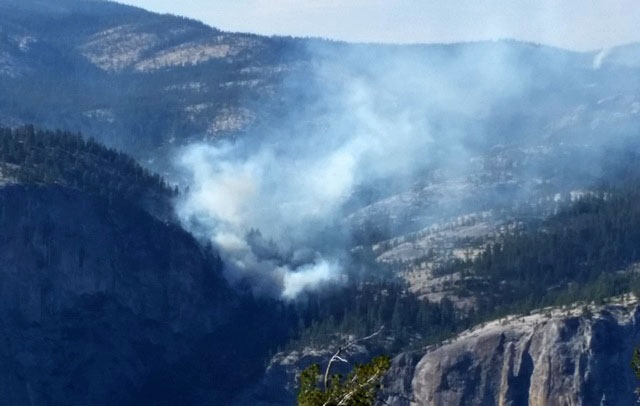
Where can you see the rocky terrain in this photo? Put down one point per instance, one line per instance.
(149, 83)
(570, 355)
(278, 386)
(507, 190)
(89, 286)
(556, 357)
(123, 67)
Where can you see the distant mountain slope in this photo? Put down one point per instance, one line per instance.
(133, 79)
(92, 283)
(147, 83)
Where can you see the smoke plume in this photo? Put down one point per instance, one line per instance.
(275, 202)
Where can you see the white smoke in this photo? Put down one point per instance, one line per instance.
(307, 276)
(600, 57)
(373, 117)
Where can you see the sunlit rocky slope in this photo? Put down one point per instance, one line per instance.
(98, 276)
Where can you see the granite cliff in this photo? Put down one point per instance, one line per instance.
(574, 357)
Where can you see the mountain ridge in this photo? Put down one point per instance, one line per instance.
(105, 51)
(103, 299)
(523, 142)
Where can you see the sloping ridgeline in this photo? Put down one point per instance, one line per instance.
(586, 251)
(68, 160)
(103, 303)
(543, 289)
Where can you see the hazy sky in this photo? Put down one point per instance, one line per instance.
(574, 24)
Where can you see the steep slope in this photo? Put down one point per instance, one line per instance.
(44, 157)
(150, 84)
(88, 289)
(147, 83)
(586, 251)
(103, 303)
(133, 79)
(558, 357)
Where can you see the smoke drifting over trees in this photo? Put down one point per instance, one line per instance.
(277, 203)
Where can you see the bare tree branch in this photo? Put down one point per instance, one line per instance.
(349, 395)
(336, 356)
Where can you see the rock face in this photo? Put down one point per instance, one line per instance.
(552, 360)
(104, 304)
(279, 385)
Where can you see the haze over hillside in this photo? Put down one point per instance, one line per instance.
(153, 84)
(310, 188)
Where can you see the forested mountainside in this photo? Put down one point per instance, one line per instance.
(505, 121)
(67, 283)
(147, 83)
(544, 279)
(103, 302)
(46, 157)
(513, 186)
(133, 79)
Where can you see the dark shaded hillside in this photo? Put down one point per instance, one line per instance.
(94, 296)
(103, 303)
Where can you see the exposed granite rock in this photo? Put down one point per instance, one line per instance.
(397, 383)
(556, 359)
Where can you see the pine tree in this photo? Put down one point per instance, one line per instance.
(359, 388)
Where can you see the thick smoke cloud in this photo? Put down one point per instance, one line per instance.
(235, 196)
(274, 203)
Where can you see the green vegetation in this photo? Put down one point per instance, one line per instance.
(580, 254)
(361, 309)
(47, 157)
(575, 255)
(635, 366)
(359, 388)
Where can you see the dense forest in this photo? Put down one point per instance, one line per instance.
(362, 309)
(56, 157)
(577, 254)
(584, 252)
(34, 156)
(580, 253)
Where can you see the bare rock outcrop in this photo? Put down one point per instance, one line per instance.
(560, 359)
